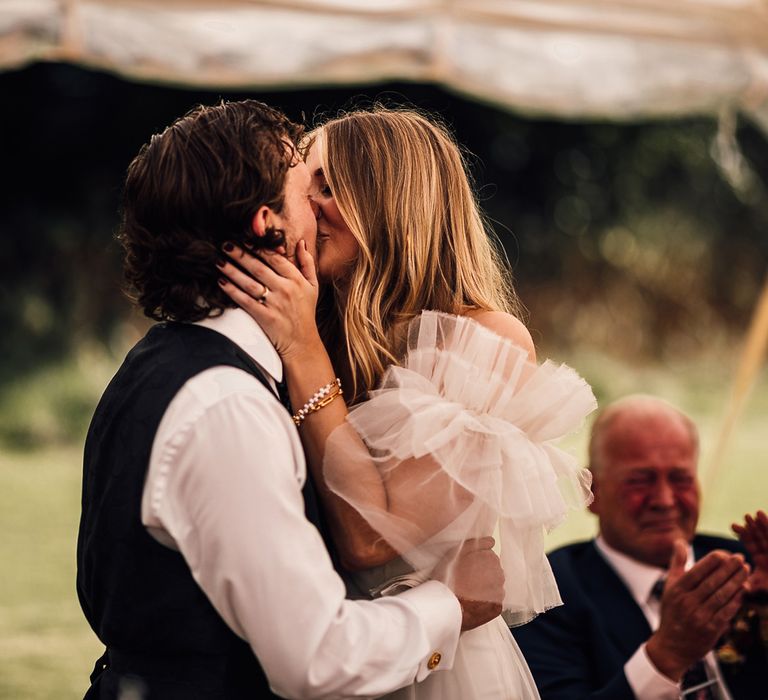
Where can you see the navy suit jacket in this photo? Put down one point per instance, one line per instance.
(578, 650)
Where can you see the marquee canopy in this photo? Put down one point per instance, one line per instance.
(615, 59)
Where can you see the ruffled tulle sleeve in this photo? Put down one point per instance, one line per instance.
(463, 436)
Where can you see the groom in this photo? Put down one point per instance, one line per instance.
(201, 564)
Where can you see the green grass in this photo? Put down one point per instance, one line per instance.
(46, 647)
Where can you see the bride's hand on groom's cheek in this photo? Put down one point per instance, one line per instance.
(280, 296)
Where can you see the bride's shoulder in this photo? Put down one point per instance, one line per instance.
(507, 326)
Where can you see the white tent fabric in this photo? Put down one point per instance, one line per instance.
(615, 59)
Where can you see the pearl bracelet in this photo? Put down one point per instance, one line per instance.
(322, 397)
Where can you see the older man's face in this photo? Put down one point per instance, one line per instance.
(647, 490)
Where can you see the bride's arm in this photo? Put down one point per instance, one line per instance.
(288, 318)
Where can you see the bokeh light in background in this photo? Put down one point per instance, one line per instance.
(643, 244)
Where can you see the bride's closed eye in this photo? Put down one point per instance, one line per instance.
(323, 189)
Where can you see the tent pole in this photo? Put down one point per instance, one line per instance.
(751, 361)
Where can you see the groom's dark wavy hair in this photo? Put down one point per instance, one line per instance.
(194, 186)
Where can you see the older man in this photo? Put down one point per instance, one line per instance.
(647, 601)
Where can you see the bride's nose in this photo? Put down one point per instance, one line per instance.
(315, 207)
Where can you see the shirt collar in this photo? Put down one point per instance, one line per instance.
(242, 330)
(639, 578)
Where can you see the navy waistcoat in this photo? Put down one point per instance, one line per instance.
(163, 637)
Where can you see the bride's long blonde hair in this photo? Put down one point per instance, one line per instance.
(402, 187)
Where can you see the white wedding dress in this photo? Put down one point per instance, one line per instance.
(470, 406)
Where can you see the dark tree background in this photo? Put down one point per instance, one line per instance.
(622, 237)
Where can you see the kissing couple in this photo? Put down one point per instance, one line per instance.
(327, 471)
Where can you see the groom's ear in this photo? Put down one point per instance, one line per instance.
(262, 221)
(265, 226)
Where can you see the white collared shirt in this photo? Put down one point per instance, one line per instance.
(224, 488)
(646, 681)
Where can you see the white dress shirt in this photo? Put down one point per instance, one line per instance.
(224, 488)
(646, 681)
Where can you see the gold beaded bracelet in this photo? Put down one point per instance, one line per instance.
(321, 398)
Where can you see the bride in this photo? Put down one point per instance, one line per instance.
(424, 417)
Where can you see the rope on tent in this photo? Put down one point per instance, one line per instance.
(751, 361)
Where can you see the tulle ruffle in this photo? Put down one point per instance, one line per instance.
(471, 406)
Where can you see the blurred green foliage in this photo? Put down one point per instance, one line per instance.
(53, 405)
(643, 242)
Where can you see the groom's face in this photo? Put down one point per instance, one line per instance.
(298, 217)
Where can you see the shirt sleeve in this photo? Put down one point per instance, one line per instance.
(224, 488)
(646, 681)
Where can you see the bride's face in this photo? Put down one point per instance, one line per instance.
(337, 248)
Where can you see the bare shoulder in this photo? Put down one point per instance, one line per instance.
(507, 326)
